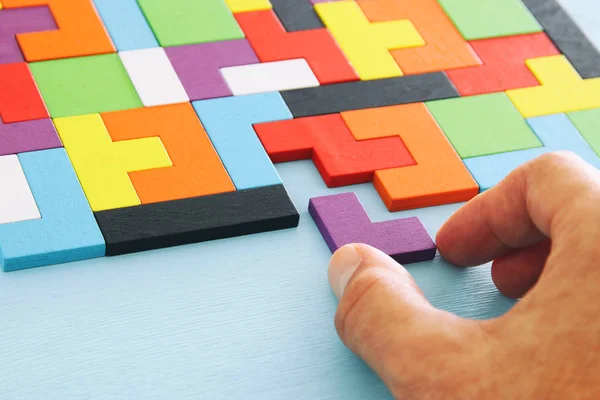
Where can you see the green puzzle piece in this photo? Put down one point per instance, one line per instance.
(85, 85)
(482, 19)
(180, 22)
(483, 125)
(588, 124)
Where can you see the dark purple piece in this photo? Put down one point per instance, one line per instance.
(198, 66)
(342, 220)
(21, 20)
(21, 137)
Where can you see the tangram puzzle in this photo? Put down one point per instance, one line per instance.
(129, 125)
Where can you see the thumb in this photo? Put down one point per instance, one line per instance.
(385, 319)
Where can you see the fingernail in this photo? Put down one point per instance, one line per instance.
(342, 266)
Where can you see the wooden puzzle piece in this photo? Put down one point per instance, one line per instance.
(229, 121)
(503, 64)
(126, 24)
(269, 77)
(484, 19)
(555, 131)
(272, 43)
(67, 230)
(198, 66)
(16, 201)
(297, 15)
(153, 76)
(444, 47)
(85, 85)
(562, 89)
(326, 139)
(20, 99)
(342, 220)
(179, 22)
(102, 165)
(20, 137)
(199, 219)
(483, 125)
(438, 176)
(588, 124)
(80, 31)
(331, 99)
(197, 169)
(567, 36)
(367, 45)
(238, 6)
(20, 20)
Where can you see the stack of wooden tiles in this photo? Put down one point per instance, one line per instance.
(130, 125)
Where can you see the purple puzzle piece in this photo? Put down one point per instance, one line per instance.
(342, 220)
(198, 65)
(21, 137)
(21, 20)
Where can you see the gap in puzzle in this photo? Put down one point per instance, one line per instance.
(130, 125)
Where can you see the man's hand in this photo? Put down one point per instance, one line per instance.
(541, 226)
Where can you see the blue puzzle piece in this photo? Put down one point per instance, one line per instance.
(556, 132)
(67, 231)
(228, 121)
(126, 24)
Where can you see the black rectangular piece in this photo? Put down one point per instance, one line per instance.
(357, 95)
(200, 219)
(567, 36)
(297, 15)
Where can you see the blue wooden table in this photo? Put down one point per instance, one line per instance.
(246, 318)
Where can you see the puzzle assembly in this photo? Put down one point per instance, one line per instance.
(131, 125)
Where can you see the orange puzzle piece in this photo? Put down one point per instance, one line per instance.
(197, 169)
(271, 42)
(445, 47)
(80, 31)
(439, 177)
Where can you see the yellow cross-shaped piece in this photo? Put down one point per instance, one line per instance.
(249, 5)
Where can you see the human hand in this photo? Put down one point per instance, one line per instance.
(541, 226)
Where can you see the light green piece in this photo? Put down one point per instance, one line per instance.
(180, 22)
(483, 125)
(85, 85)
(483, 19)
(588, 124)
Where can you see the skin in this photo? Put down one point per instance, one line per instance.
(541, 228)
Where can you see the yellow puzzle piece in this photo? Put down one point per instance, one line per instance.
(0, 6)
(367, 45)
(562, 89)
(102, 165)
(248, 5)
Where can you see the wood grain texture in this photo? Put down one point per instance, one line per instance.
(199, 219)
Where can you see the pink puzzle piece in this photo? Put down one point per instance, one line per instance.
(21, 20)
(21, 137)
(198, 66)
(342, 220)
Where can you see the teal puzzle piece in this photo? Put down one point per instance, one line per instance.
(67, 230)
(556, 132)
(229, 124)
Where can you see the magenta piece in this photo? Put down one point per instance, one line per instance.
(21, 20)
(21, 137)
(342, 220)
(198, 66)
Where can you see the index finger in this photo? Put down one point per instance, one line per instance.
(541, 199)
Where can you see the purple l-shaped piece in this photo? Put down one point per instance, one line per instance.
(342, 220)
(21, 20)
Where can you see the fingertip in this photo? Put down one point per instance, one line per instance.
(342, 266)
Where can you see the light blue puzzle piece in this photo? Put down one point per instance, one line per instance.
(67, 231)
(126, 24)
(556, 132)
(228, 121)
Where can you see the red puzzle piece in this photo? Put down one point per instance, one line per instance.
(503, 64)
(340, 158)
(271, 42)
(20, 99)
